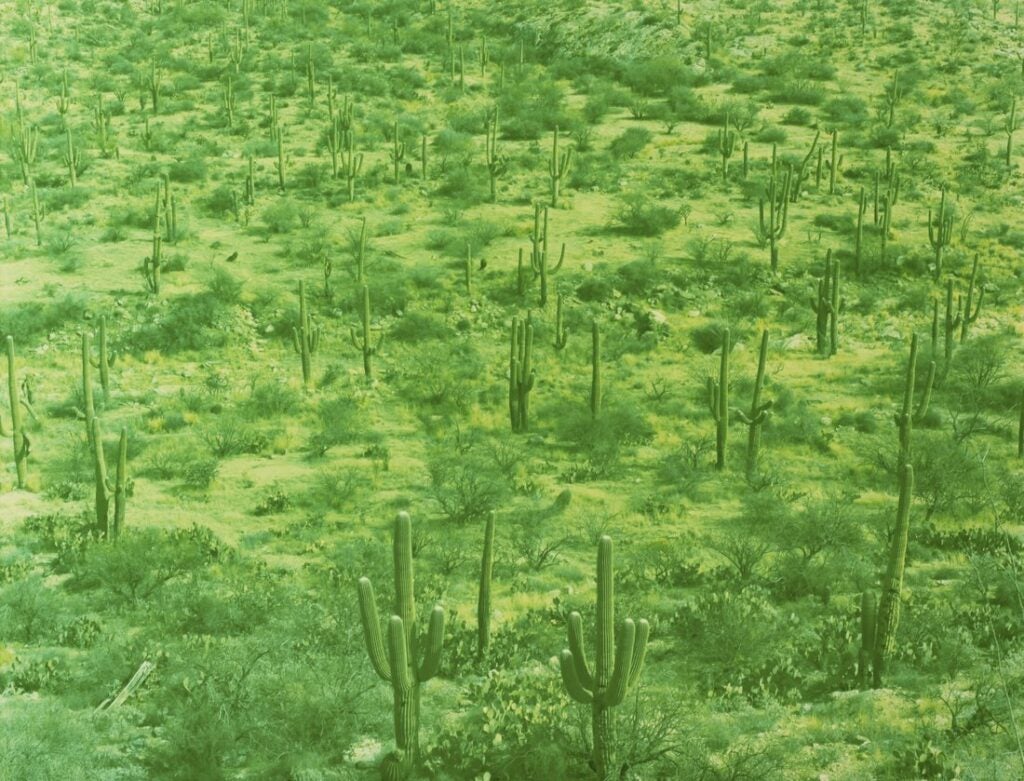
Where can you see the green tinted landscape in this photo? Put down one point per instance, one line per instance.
(448, 389)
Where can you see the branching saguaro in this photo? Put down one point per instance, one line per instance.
(305, 338)
(410, 660)
(773, 228)
(539, 261)
(558, 168)
(618, 662)
(759, 411)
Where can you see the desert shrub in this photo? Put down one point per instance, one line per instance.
(772, 134)
(27, 609)
(799, 91)
(272, 398)
(630, 143)
(192, 169)
(638, 214)
(797, 116)
(188, 325)
(341, 421)
(417, 327)
(281, 216)
(141, 561)
(465, 487)
(658, 75)
(604, 439)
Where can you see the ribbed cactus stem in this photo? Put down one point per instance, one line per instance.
(759, 411)
(102, 485)
(305, 338)
(87, 394)
(402, 665)
(103, 361)
(971, 311)
(20, 439)
(617, 666)
(561, 333)
(595, 373)
(892, 588)
(120, 487)
(366, 345)
(483, 604)
(718, 402)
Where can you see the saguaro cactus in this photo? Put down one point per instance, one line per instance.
(940, 232)
(909, 414)
(397, 153)
(718, 402)
(827, 305)
(88, 401)
(892, 588)
(858, 252)
(496, 164)
(105, 490)
(305, 338)
(971, 311)
(483, 604)
(726, 145)
(558, 167)
(104, 359)
(521, 374)
(410, 660)
(616, 669)
(774, 228)
(366, 345)
(595, 371)
(759, 411)
(539, 254)
(561, 332)
(1011, 126)
(22, 445)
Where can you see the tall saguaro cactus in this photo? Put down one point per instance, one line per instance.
(521, 373)
(892, 588)
(595, 371)
(20, 439)
(305, 338)
(759, 411)
(940, 232)
(909, 414)
(539, 253)
(410, 660)
(105, 490)
(104, 359)
(558, 167)
(826, 306)
(366, 345)
(616, 667)
(774, 228)
(483, 603)
(718, 402)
